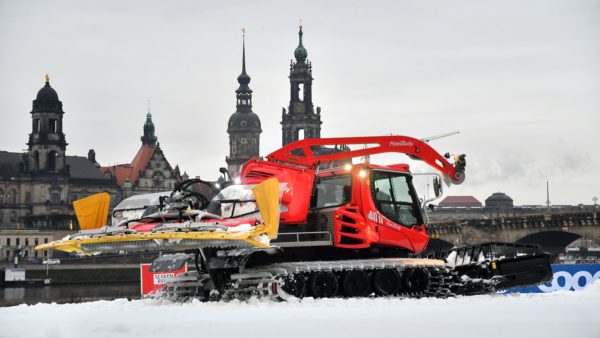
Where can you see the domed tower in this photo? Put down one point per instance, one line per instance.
(244, 125)
(149, 138)
(499, 200)
(300, 121)
(47, 143)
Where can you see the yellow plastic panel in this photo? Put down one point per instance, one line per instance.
(92, 211)
(267, 199)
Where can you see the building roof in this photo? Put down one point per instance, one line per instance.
(9, 164)
(80, 167)
(122, 172)
(460, 201)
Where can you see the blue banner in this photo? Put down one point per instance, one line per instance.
(567, 277)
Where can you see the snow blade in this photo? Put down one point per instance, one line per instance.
(552, 242)
(186, 234)
(92, 211)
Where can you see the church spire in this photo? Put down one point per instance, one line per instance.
(244, 78)
(149, 138)
(244, 125)
(300, 53)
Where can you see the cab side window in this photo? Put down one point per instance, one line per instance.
(332, 192)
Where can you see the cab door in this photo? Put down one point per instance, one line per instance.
(398, 213)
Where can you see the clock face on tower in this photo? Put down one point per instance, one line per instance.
(298, 107)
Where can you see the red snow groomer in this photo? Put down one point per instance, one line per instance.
(308, 222)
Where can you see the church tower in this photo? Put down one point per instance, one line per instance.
(244, 125)
(149, 138)
(47, 143)
(300, 121)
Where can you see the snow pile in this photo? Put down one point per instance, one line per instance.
(558, 314)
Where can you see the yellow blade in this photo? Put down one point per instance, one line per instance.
(69, 245)
(92, 211)
(267, 199)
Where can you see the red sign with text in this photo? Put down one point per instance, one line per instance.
(152, 281)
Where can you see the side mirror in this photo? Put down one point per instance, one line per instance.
(437, 186)
(225, 173)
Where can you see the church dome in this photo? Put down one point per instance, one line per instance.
(244, 121)
(46, 100)
(47, 94)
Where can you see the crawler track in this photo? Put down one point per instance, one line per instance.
(397, 277)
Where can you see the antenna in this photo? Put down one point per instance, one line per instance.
(548, 195)
(435, 137)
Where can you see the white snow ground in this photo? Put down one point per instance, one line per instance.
(558, 314)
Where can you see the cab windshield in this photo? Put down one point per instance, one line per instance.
(233, 201)
(395, 198)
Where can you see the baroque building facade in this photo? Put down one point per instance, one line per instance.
(244, 126)
(149, 171)
(38, 186)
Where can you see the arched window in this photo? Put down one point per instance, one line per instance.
(243, 123)
(52, 160)
(301, 91)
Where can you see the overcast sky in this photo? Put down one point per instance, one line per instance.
(519, 79)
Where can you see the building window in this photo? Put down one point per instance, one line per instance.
(53, 126)
(1, 196)
(52, 160)
(301, 91)
(7, 254)
(55, 197)
(18, 240)
(243, 123)
(26, 241)
(36, 160)
(13, 217)
(8, 242)
(36, 241)
(27, 197)
(45, 241)
(11, 197)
